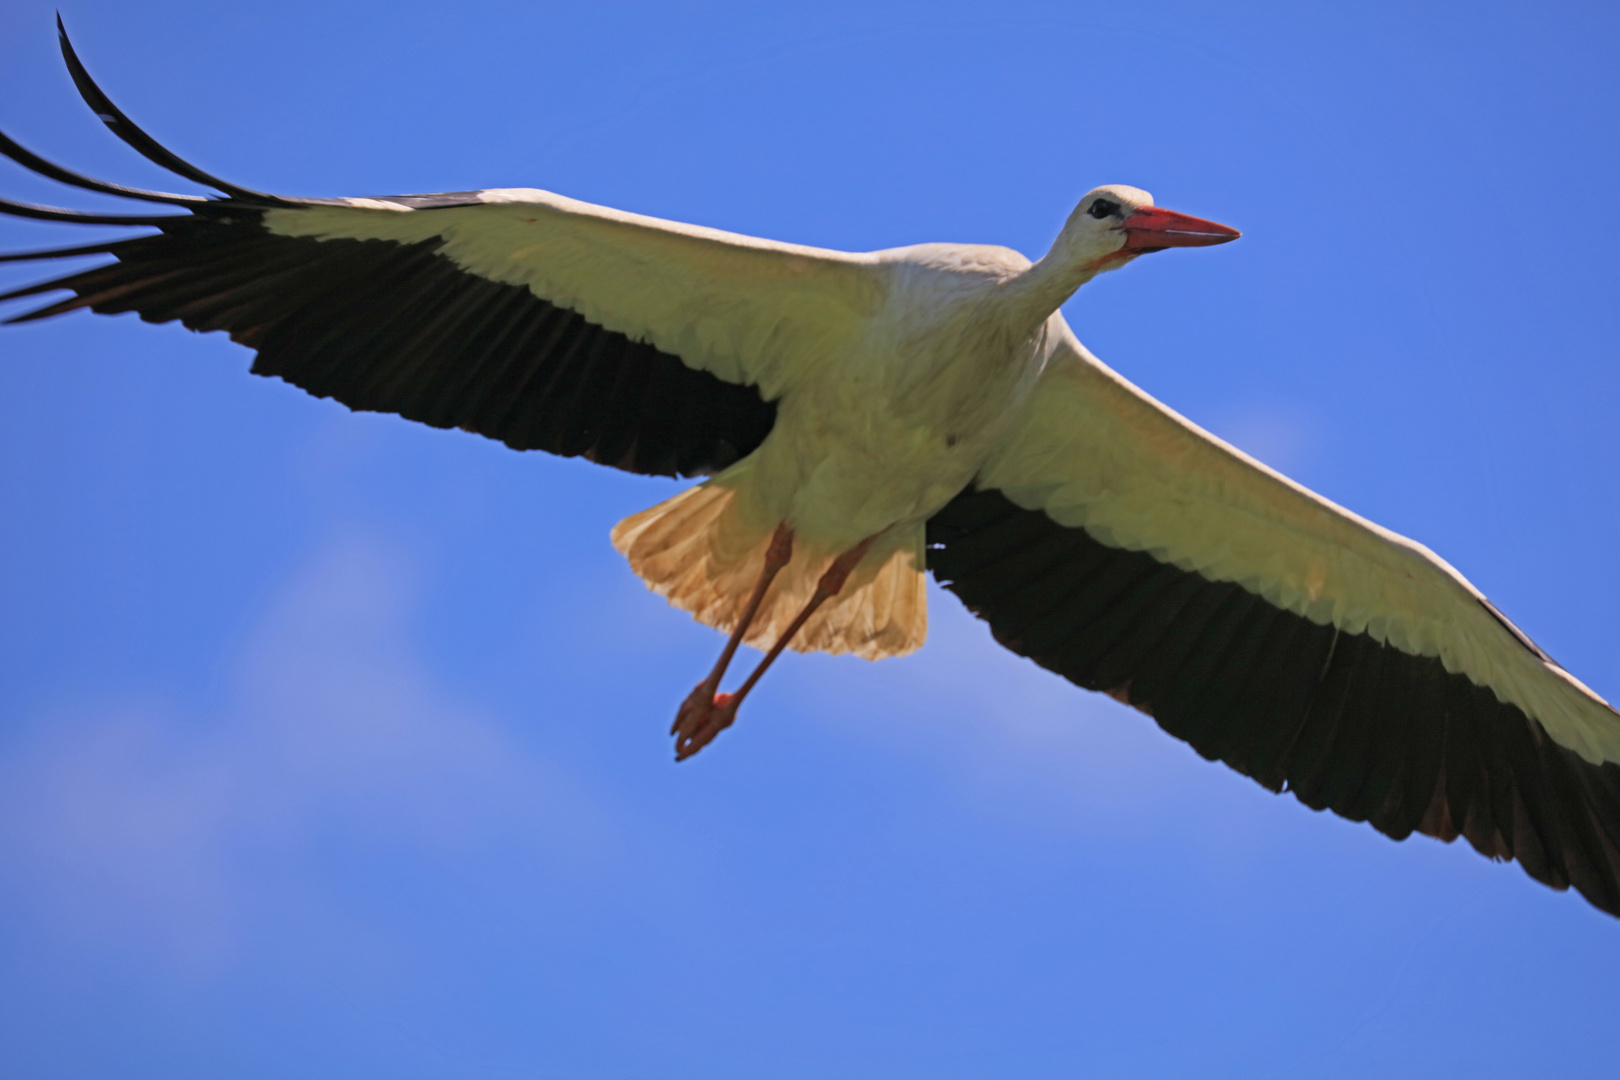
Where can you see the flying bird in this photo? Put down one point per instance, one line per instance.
(865, 419)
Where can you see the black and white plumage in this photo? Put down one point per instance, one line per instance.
(934, 399)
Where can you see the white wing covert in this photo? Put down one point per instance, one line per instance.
(747, 310)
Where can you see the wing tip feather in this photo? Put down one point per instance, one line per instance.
(137, 139)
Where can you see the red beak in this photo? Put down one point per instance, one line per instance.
(1153, 228)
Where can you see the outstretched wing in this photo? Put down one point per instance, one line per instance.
(518, 314)
(1122, 547)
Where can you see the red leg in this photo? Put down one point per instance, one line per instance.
(721, 711)
(699, 719)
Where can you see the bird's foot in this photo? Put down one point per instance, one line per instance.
(703, 715)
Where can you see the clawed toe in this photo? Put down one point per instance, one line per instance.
(703, 715)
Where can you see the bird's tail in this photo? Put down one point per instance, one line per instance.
(703, 555)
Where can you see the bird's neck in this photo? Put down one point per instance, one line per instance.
(1039, 291)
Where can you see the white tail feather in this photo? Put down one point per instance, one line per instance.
(702, 556)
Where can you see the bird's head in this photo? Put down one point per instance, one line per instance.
(1115, 223)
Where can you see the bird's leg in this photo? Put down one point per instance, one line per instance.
(722, 710)
(699, 718)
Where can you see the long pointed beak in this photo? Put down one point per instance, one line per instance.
(1153, 228)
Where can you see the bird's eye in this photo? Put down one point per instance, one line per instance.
(1103, 208)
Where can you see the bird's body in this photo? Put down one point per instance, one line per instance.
(865, 418)
(900, 422)
(891, 428)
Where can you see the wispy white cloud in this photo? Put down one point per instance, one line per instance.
(114, 826)
(128, 820)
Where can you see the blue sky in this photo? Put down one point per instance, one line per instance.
(335, 746)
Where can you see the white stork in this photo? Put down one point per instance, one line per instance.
(865, 418)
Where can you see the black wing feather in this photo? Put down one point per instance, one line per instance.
(79, 217)
(138, 140)
(1346, 722)
(33, 162)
